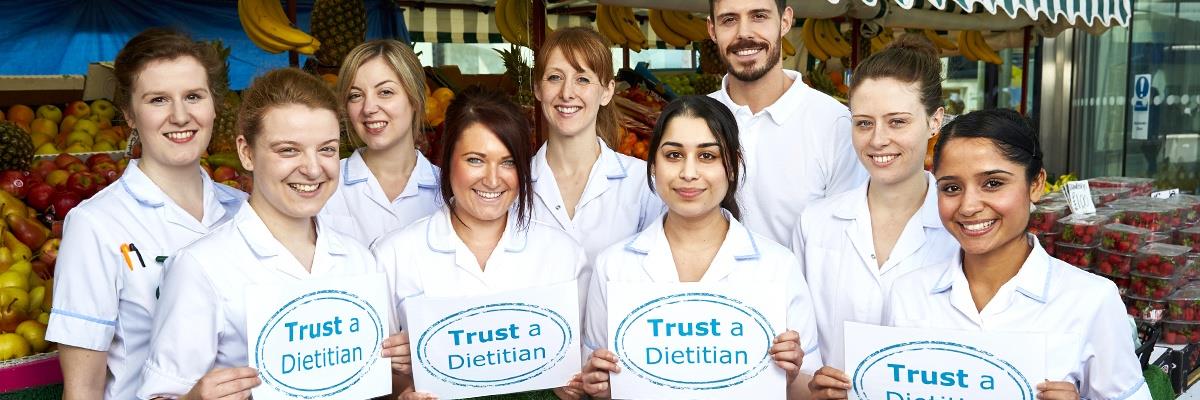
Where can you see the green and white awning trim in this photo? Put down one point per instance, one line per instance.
(439, 25)
(1091, 12)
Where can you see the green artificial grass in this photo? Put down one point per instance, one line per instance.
(1159, 383)
(51, 392)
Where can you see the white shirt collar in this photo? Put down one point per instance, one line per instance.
(609, 163)
(260, 239)
(928, 213)
(1032, 280)
(779, 111)
(424, 175)
(738, 239)
(442, 238)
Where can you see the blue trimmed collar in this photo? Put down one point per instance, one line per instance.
(441, 237)
(739, 241)
(1032, 280)
(147, 193)
(928, 213)
(260, 239)
(355, 171)
(609, 163)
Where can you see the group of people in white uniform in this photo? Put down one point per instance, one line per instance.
(766, 180)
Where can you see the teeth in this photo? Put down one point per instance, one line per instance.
(980, 226)
(304, 188)
(179, 135)
(746, 52)
(488, 195)
(568, 110)
(883, 159)
(376, 125)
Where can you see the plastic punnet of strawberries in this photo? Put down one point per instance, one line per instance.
(1082, 229)
(1074, 254)
(1122, 238)
(1113, 263)
(1160, 260)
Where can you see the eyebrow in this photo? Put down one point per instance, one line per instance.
(677, 144)
(475, 153)
(162, 93)
(885, 115)
(984, 173)
(377, 84)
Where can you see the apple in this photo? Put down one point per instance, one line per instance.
(224, 173)
(104, 109)
(39, 196)
(34, 333)
(99, 159)
(62, 202)
(49, 251)
(77, 167)
(78, 109)
(64, 159)
(57, 177)
(81, 137)
(42, 167)
(68, 124)
(42, 126)
(108, 171)
(86, 125)
(15, 182)
(84, 182)
(51, 113)
(233, 184)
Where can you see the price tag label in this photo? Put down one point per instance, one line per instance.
(1079, 197)
(1165, 194)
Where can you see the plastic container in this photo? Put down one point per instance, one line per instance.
(1048, 241)
(1082, 229)
(1044, 218)
(1123, 238)
(1189, 237)
(1113, 263)
(1181, 332)
(1152, 287)
(1161, 260)
(1078, 255)
(1105, 195)
(1137, 186)
(1152, 310)
(1184, 304)
(1192, 215)
(1155, 218)
(1159, 237)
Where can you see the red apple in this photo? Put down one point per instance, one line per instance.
(15, 182)
(98, 159)
(108, 171)
(62, 202)
(84, 183)
(49, 251)
(39, 196)
(65, 159)
(78, 109)
(223, 173)
(42, 167)
(247, 182)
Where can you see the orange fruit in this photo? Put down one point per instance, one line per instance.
(444, 95)
(330, 79)
(20, 113)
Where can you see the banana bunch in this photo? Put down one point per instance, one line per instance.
(882, 40)
(618, 24)
(974, 48)
(269, 28)
(823, 39)
(512, 18)
(939, 41)
(678, 28)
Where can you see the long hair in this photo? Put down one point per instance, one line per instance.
(724, 128)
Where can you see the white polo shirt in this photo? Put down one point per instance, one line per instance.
(744, 257)
(1088, 335)
(360, 209)
(102, 302)
(428, 258)
(836, 248)
(616, 202)
(202, 320)
(796, 150)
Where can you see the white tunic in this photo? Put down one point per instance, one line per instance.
(361, 209)
(428, 258)
(1089, 337)
(101, 302)
(837, 252)
(796, 150)
(744, 257)
(617, 201)
(201, 324)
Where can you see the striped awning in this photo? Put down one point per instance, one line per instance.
(1089, 12)
(438, 25)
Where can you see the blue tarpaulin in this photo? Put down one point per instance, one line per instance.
(49, 37)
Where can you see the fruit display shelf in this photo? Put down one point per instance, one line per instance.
(29, 372)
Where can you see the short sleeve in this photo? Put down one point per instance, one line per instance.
(802, 319)
(187, 326)
(87, 286)
(400, 267)
(1112, 370)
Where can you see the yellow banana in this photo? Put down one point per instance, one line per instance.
(311, 48)
(877, 44)
(808, 33)
(629, 26)
(828, 37)
(263, 15)
(256, 36)
(788, 49)
(964, 46)
(985, 50)
(939, 41)
(843, 45)
(686, 24)
(664, 32)
(517, 14)
(501, 16)
(606, 28)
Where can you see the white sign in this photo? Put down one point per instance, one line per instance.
(886, 363)
(501, 343)
(1165, 194)
(696, 341)
(1141, 106)
(1079, 198)
(319, 339)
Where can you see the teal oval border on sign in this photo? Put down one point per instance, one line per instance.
(1018, 378)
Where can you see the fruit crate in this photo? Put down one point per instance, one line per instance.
(1146, 309)
(1078, 255)
(1155, 218)
(1189, 237)
(1175, 332)
(1123, 238)
(1137, 186)
(32, 371)
(1163, 261)
(1191, 216)
(1044, 218)
(1048, 240)
(1104, 195)
(1082, 229)
(1152, 287)
(1122, 282)
(1184, 304)
(1113, 263)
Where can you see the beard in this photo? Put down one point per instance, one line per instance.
(750, 74)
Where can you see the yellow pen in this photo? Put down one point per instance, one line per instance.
(125, 252)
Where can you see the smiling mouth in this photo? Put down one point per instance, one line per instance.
(568, 109)
(977, 227)
(487, 195)
(180, 136)
(305, 188)
(376, 125)
(883, 160)
(748, 51)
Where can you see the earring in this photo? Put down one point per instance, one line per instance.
(134, 139)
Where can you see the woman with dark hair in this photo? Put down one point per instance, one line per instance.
(988, 166)
(106, 283)
(854, 245)
(694, 165)
(483, 240)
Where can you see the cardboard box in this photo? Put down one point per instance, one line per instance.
(36, 90)
(101, 82)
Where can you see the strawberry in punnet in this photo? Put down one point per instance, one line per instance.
(1151, 287)
(1189, 237)
(1123, 238)
(1045, 217)
(1113, 263)
(1159, 259)
(1082, 229)
(1079, 256)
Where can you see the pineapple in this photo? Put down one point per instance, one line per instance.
(16, 148)
(224, 138)
(339, 25)
(517, 70)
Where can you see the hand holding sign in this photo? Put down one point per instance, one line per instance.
(787, 353)
(396, 348)
(1057, 391)
(829, 384)
(225, 383)
(595, 373)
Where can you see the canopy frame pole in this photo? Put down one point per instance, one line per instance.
(293, 56)
(1025, 69)
(537, 34)
(855, 34)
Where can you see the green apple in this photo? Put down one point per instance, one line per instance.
(51, 113)
(87, 125)
(104, 109)
(79, 109)
(13, 346)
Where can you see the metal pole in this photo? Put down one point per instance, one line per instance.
(293, 56)
(1025, 69)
